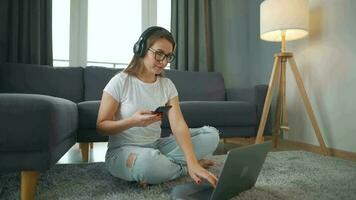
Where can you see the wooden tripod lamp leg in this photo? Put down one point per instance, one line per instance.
(284, 119)
(277, 119)
(268, 100)
(307, 105)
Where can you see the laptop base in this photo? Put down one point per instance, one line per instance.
(191, 191)
(239, 173)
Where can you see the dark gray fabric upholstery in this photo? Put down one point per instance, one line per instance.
(240, 94)
(220, 114)
(44, 110)
(95, 79)
(66, 82)
(202, 97)
(90, 135)
(35, 131)
(203, 86)
(256, 95)
(198, 86)
(88, 113)
(217, 113)
(243, 131)
(37, 122)
(213, 113)
(35, 160)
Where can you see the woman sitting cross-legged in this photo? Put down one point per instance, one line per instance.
(136, 152)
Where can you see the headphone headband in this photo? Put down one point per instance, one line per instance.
(140, 48)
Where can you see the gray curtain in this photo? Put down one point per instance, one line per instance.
(26, 31)
(191, 26)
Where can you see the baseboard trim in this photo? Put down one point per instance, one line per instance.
(294, 145)
(316, 149)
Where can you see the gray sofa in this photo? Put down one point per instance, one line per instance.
(45, 110)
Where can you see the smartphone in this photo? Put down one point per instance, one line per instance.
(162, 109)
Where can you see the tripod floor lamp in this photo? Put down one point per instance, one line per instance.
(281, 21)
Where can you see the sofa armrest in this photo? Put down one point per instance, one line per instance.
(257, 95)
(260, 96)
(31, 122)
(260, 92)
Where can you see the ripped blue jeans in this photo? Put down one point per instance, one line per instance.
(161, 161)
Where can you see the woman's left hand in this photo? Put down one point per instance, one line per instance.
(197, 172)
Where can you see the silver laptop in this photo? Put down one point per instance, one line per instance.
(241, 169)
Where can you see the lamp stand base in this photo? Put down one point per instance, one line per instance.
(281, 121)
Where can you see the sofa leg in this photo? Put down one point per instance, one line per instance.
(28, 184)
(84, 148)
(224, 140)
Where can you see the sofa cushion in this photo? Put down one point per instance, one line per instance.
(64, 82)
(196, 114)
(198, 86)
(95, 79)
(217, 113)
(88, 113)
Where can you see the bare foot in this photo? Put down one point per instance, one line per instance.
(205, 163)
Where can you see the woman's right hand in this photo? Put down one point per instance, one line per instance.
(144, 118)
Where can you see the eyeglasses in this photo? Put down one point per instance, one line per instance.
(160, 56)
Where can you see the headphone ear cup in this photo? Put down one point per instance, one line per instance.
(139, 47)
(136, 48)
(142, 48)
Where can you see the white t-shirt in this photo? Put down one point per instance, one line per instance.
(132, 95)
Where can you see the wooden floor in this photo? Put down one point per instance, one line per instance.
(97, 154)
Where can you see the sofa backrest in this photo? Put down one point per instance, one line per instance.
(198, 86)
(84, 84)
(191, 86)
(95, 80)
(64, 82)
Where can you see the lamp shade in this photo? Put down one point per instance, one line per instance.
(288, 16)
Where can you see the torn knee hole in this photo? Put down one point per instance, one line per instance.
(130, 160)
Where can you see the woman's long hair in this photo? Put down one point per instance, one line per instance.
(136, 63)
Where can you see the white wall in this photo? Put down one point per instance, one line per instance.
(327, 62)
